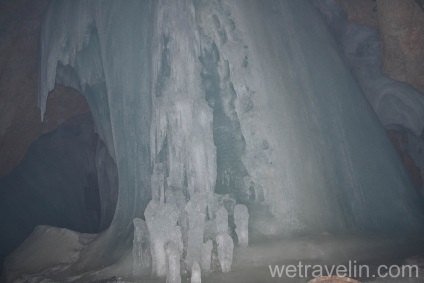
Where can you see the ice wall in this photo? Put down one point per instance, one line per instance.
(168, 81)
(313, 143)
(102, 48)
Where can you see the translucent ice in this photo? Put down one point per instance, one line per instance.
(196, 211)
(196, 273)
(241, 219)
(206, 256)
(217, 201)
(161, 219)
(225, 251)
(221, 220)
(173, 255)
(141, 249)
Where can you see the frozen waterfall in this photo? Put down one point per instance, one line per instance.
(245, 98)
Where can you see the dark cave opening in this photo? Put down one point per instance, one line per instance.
(67, 179)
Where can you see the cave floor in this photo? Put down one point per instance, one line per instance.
(252, 264)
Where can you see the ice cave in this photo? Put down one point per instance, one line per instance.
(221, 139)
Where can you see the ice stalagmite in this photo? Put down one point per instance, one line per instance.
(241, 219)
(196, 210)
(221, 220)
(206, 256)
(141, 249)
(196, 273)
(225, 251)
(161, 219)
(173, 256)
(245, 98)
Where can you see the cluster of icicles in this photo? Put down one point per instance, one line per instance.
(189, 237)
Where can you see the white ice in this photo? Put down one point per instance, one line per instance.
(206, 256)
(141, 247)
(173, 255)
(161, 219)
(196, 273)
(225, 251)
(241, 219)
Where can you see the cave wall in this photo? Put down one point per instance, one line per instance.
(401, 25)
(20, 122)
(387, 36)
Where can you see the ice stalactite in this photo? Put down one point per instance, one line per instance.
(181, 131)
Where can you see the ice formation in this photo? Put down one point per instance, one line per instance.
(241, 219)
(161, 220)
(225, 251)
(173, 256)
(196, 210)
(173, 85)
(206, 256)
(141, 249)
(196, 273)
(221, 220)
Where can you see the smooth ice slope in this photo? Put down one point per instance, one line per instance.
(171, 83)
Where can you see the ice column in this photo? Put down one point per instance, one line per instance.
(161, 219)
(225, 251)
(221, 220)
(173, 254)
(241, 219)
(181, 127)
(196, 210)
(206, 256)
(141, 251)
(196, 273)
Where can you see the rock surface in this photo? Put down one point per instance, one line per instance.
(363, 12)
(401, 25)
(402, 36)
